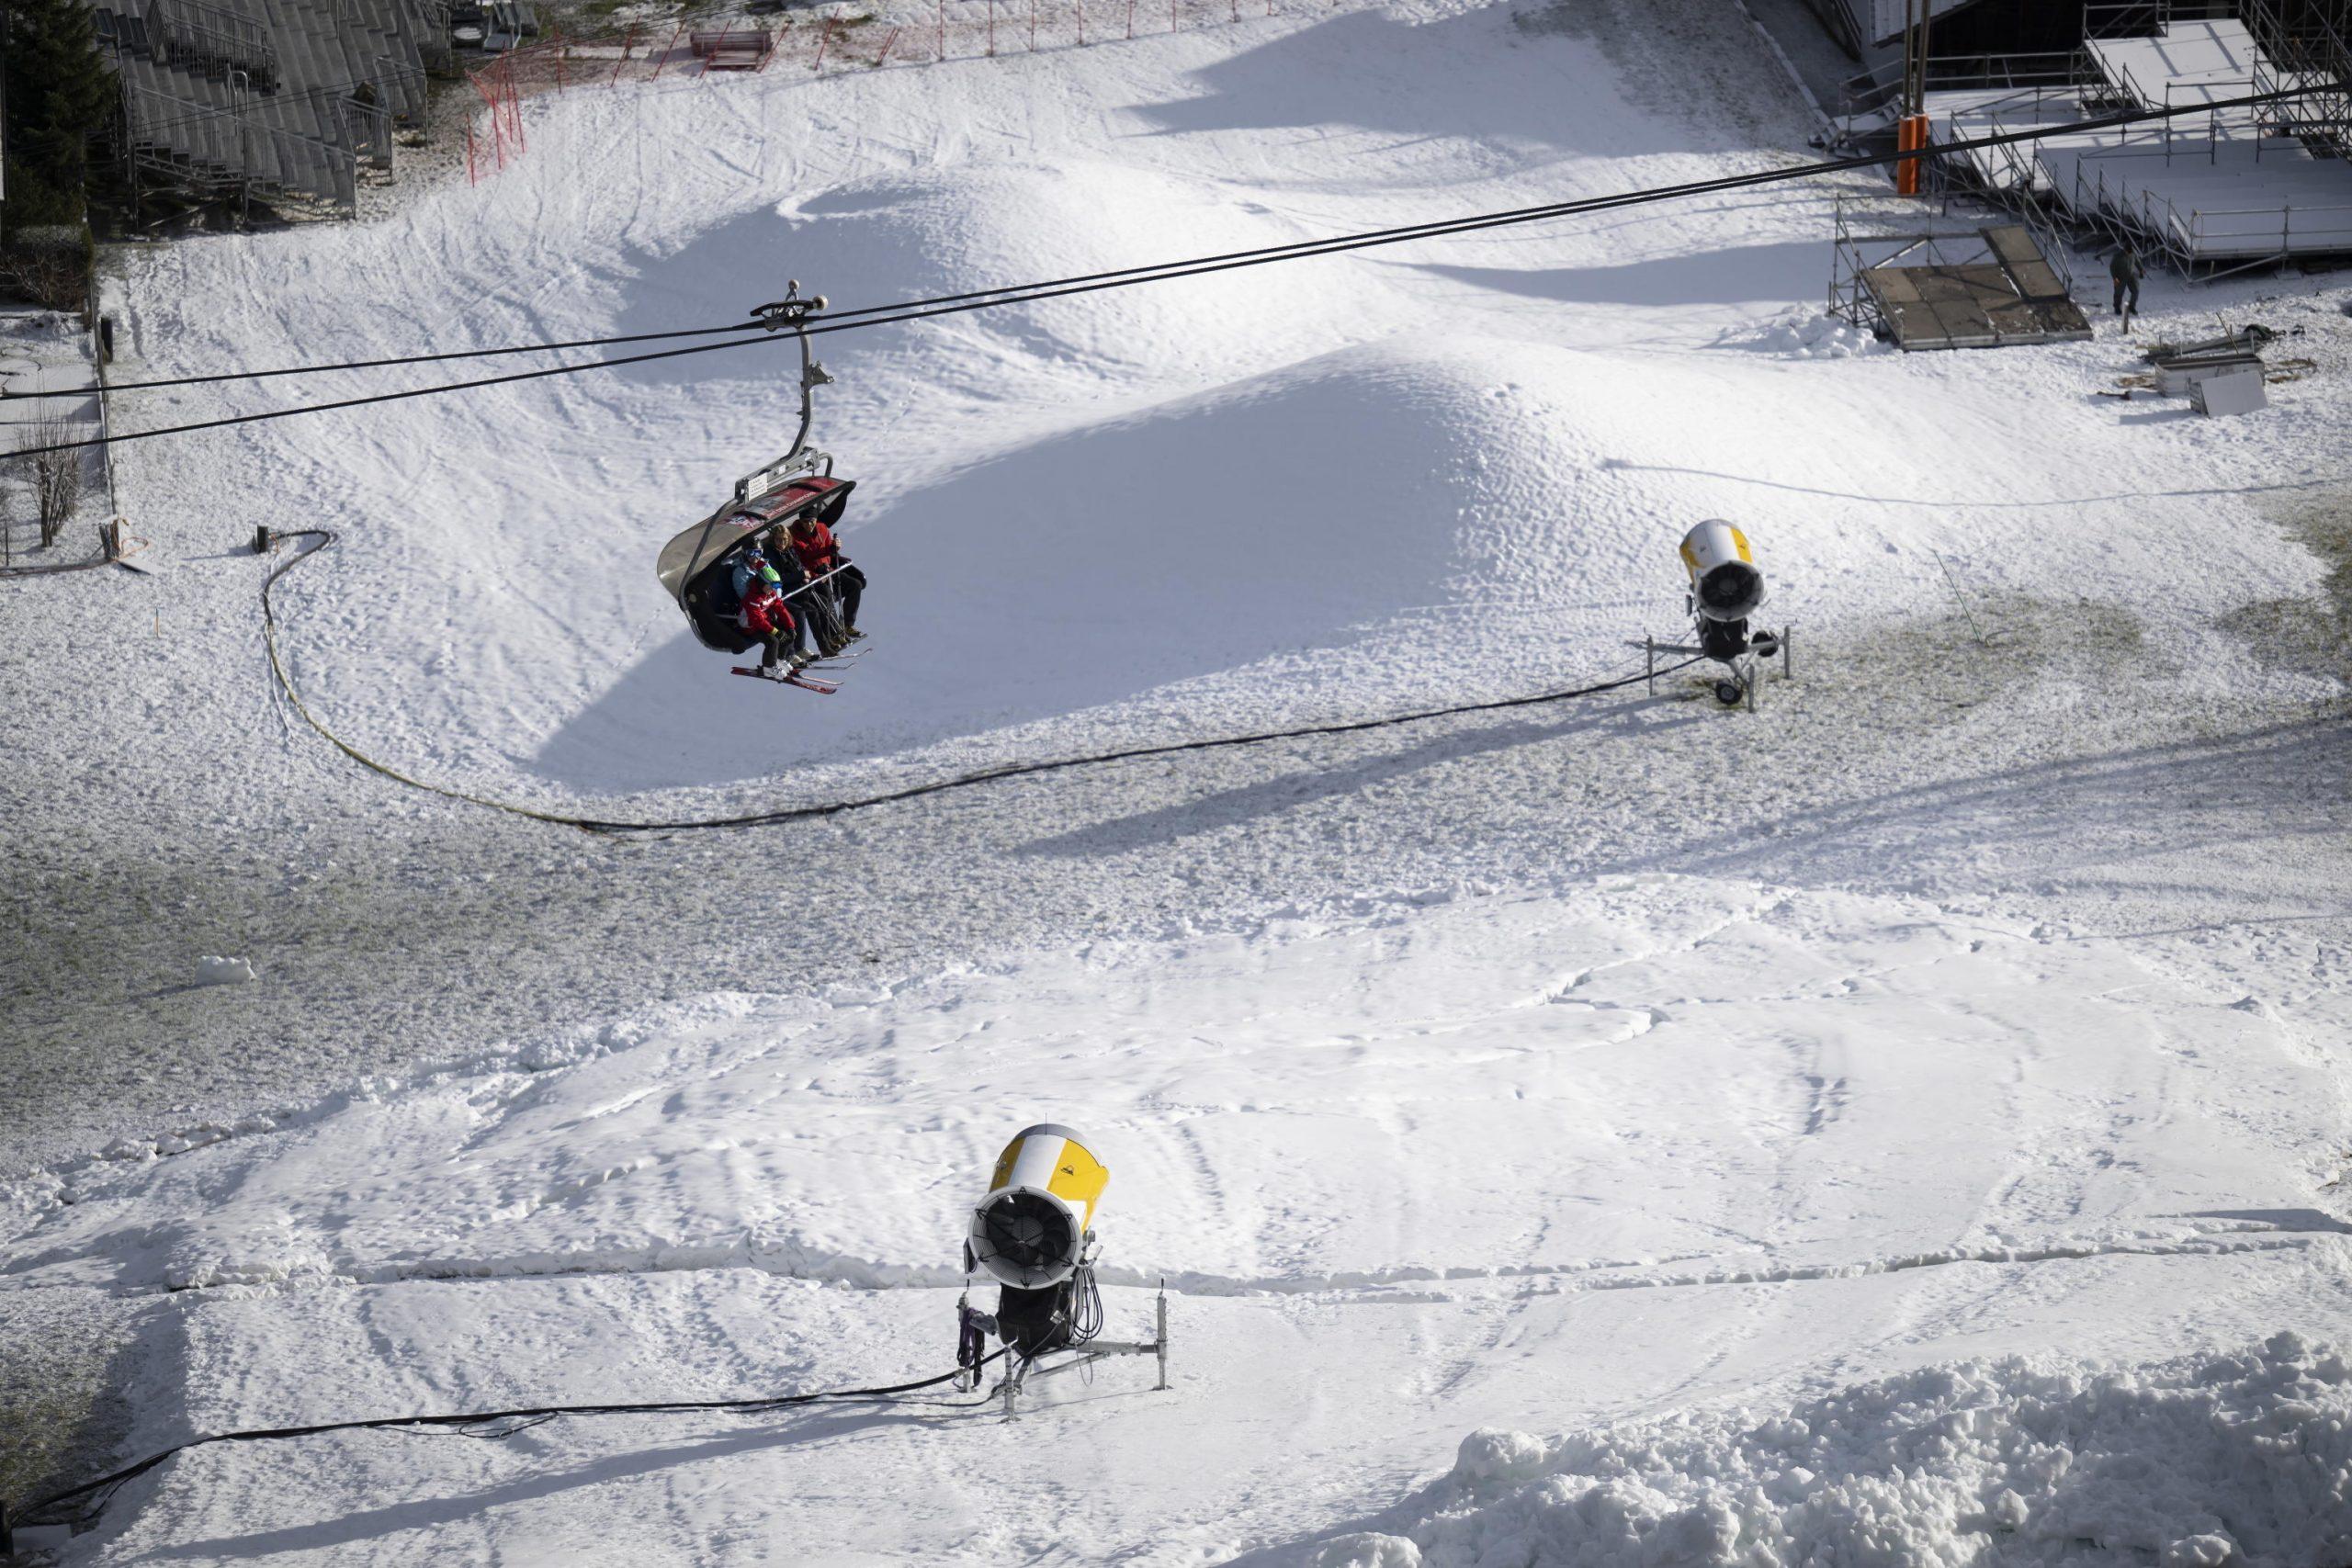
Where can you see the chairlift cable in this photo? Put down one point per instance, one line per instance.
(947, 305)
(429, 358)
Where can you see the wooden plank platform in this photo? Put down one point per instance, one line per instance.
(1974, 305)
(2013, 246)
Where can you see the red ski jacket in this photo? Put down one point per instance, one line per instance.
(764, 611)
(818, 552)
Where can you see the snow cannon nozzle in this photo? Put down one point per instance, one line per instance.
(1725, 585)
(1031, 1228)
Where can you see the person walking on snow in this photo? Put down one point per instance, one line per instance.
(2125, 269)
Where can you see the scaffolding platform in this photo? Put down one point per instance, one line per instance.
(2213, 190)
(1971, 114)
(2231, 200)
(2188, 63)
(1991, 287)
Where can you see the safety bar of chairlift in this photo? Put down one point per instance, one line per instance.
(815, 580)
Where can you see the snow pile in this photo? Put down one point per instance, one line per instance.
(2242, 1458)
(214, 971)
(1803, 332)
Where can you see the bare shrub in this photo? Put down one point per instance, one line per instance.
(56, 477)
(52, 277)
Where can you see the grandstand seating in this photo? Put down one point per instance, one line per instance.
(276, 97)
(2219, 189)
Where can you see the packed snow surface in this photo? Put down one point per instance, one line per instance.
(1538, 1158)
(1821, 1198)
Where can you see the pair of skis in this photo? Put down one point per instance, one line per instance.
(787, 676)
(784, 675)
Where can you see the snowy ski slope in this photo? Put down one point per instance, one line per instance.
(1522, 1162)
(1904, 1128)
(1324, 488)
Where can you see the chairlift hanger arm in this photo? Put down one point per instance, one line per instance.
(794, 311)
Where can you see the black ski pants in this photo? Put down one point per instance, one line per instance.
(849, 584)
(778, 643)
(2123, 287)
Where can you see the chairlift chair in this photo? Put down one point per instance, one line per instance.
(697, 567)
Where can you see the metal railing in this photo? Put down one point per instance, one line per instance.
(2309, 51)
(2196, 236)
(2014, 188)
(2002, 117)
(227, 150)
(2322, 229)
(2126, 19)
(1868, 91)
(198, 37)
(2145, 19)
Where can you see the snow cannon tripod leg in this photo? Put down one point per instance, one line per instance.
(1017, 1367)
(971, 1345)
(1162, 1337)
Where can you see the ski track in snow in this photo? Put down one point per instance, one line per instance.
(1596, 1078)
(709, 1158)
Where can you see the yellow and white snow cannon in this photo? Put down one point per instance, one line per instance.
(1034, 1232)
(1725, 587)
(1031, 1229)
(1726, 590)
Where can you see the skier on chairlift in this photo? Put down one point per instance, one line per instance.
(821, 557)
(742, 576)
(763, 611)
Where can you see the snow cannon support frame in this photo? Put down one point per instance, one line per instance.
(1747, 677)
(1076, 1357)
(1032, 1232)
(1725, 591)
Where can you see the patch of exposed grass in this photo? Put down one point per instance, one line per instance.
(2309, 634)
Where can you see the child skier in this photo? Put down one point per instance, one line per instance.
(763, 611)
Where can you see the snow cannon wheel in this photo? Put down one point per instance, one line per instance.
(1728, 692)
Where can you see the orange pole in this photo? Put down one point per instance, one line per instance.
(1910, 136)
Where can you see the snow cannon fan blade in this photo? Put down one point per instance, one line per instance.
(1030, 1230)
(1725, 583)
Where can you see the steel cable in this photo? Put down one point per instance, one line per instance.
(863, 317)
(912, 791)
